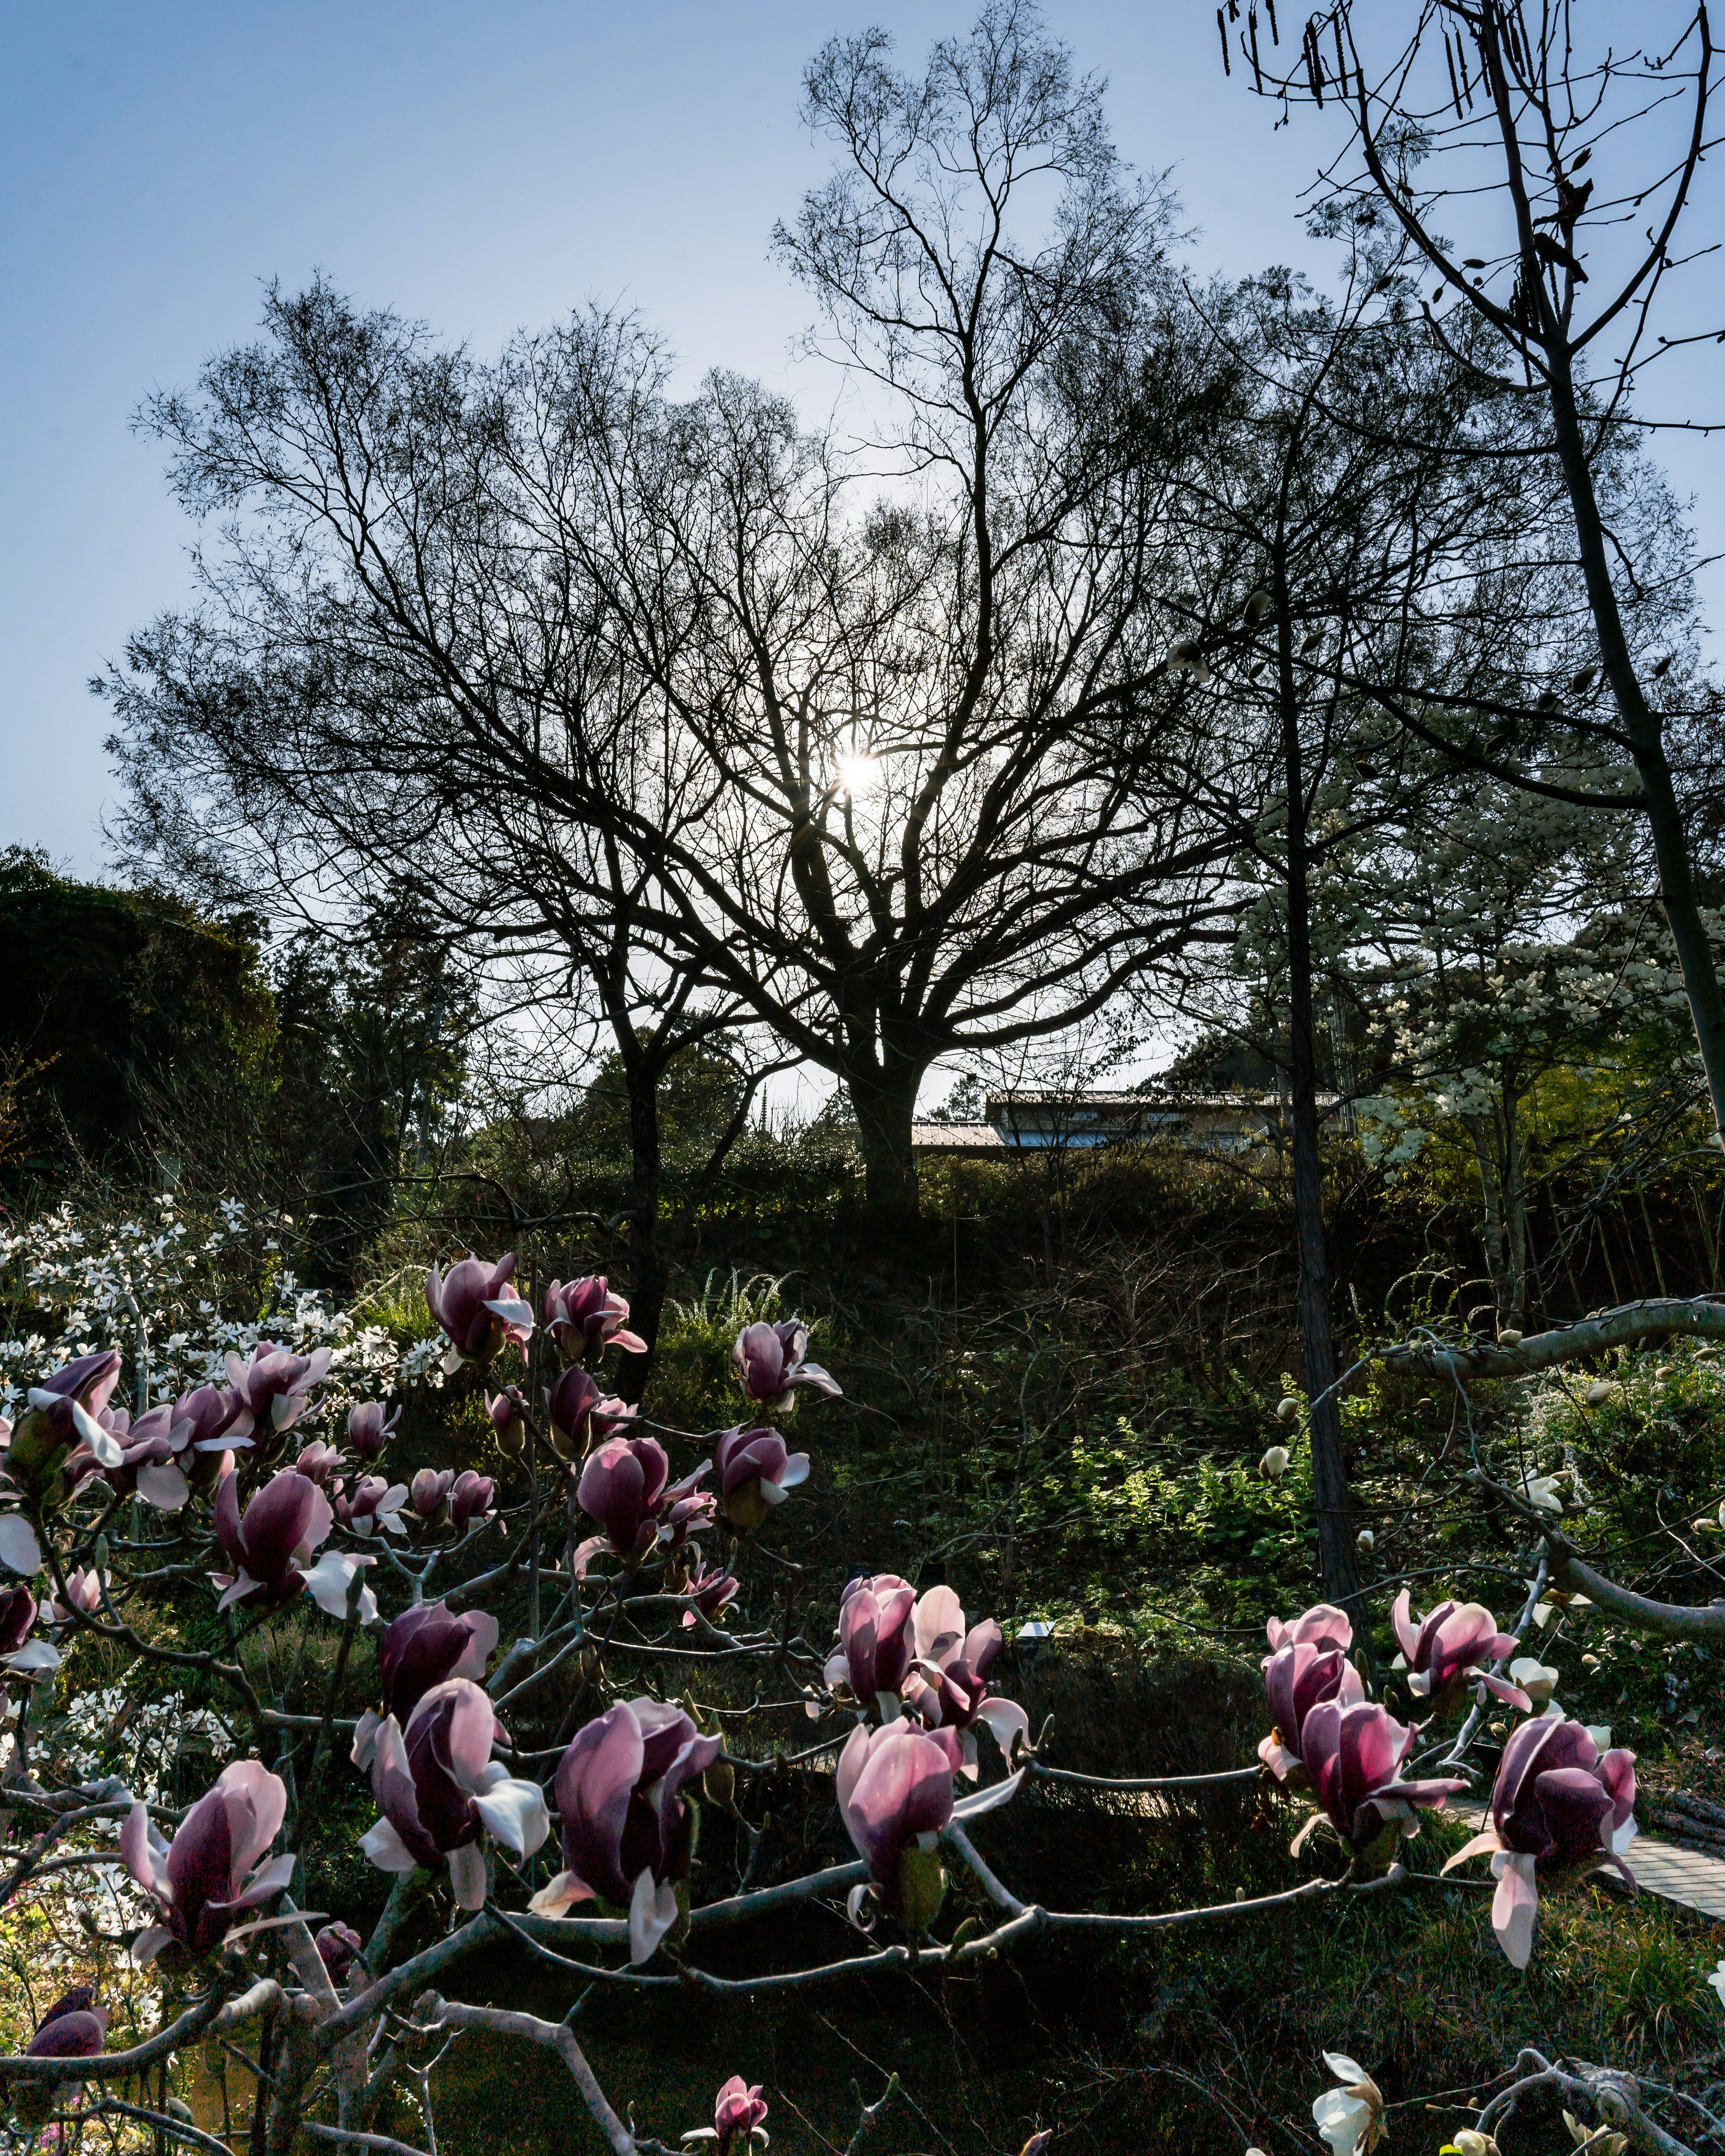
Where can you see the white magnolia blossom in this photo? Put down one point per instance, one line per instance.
(1351, 2117)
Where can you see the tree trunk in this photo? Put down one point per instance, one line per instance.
(1336, 1544)
(1646, 738)
(886, 1107)
(649, 1265)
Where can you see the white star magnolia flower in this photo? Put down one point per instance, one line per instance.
(1351, 2117)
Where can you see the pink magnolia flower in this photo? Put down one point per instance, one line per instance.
(756, 1475)
(337, 1945)
(580, 1414)
(19, 1653)
(624, 1487)
(584, 1318)
(274, 1389)
(628, 1829)
(1557, 1806)
(437, 1786)
(83, 1593)
(210, 1413)
(374, 1503)
(204, 1879)
(711, 1593)
(769, 1360)
(478, 1309)
(1452, 1648)
(271, 1548)
(1297, 1678)
(895, 1791)
(945, 1685)
(876, 1642)
(1325, 1627)
(426, 1645)
(428, 1489)
(1353, 1755)
(368, 1431)
(321, 1464)
(471, 1497)
(62, 1412)
(739, 2117)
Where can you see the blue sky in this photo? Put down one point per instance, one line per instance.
(482, 168)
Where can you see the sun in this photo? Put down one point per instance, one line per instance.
(858, 774)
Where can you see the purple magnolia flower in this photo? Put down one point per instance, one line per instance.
(471, 1497)
(271, 1548)
(711, 1593)
(1452, 1648)
(83, 1593)
(337, 1945)
(628, 1829)
(945, 1685)
(509, 1424)
(1558, 1806)
(210, 1412)
(1298, 1678)
(367, 1432)
(895, 1791)
(438, 1785)
(584, 1318)
(149, 1462)
(756, 1475)
(1323, 1627)
(876, 1642)
(374, 1503)
(739, 2117)
(428, 1489)
(425, 1646)
(204, 1879)
(770, 1365)
(478, 1309)
(274, 1389)
(321, 1464)
(580, 1414)
(622, 1486)
(61, 1413)
(1353, 1754)
(74, 2027)
(19, 1653)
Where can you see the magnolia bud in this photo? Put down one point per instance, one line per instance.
(719, 1782)
(1509, 1337)
(1287, 1408)
(1365, 1541)
(922, 1887)
(1274, 1463)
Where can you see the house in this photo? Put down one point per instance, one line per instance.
(1038, 1120)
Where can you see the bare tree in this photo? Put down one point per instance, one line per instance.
(1465, 113)
(867, 754)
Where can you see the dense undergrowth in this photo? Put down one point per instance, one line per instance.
(1066, 1424)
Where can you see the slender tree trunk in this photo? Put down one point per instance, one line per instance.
(1645, 735)
(1336, 1543)
(649, 1260)
(1495, 1231)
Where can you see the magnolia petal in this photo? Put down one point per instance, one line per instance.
(1513, 1907)
(101, 1442)
(563, 1893)
(1486, 1840)
(1007, 1721)
(652, 1912)
(148, 1943)
(990, 1799)
(163, 1486)
(35, 1658)
(796, 1471)
(20, 1549)
(365, 1737)
(515, 1812)
(386, 1848)
(326, 1583)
